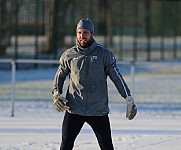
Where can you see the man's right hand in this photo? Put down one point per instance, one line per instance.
(60, 102)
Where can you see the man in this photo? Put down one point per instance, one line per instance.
(88, 65)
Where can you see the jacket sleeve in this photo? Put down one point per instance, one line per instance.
(113, 72)
(60, 75)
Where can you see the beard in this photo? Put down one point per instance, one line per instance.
(85, 42)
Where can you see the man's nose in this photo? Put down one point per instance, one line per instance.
(82, 35)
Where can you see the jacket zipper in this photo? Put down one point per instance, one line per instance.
(86, 82)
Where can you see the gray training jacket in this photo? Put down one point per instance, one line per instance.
(88, 68)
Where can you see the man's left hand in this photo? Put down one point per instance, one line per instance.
(131, 109)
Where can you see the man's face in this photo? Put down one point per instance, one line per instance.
(84, 37)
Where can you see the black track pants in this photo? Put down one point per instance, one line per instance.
(73, 123)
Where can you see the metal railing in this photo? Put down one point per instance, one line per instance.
(35, 61)
(13, 74)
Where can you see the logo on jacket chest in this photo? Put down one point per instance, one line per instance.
(93, 58)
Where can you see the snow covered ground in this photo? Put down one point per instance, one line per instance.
(144, 132)
(37, 125)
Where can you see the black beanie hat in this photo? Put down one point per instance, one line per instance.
(86, 24)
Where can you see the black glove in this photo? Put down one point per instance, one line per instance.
(60, 102)
(131, 109)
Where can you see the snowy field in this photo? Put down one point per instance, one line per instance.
(37, 125)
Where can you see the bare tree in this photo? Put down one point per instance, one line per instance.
(55, 25)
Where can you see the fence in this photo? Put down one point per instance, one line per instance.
(134, 30)
(13, 74)
(154, 85)
(18, 61)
